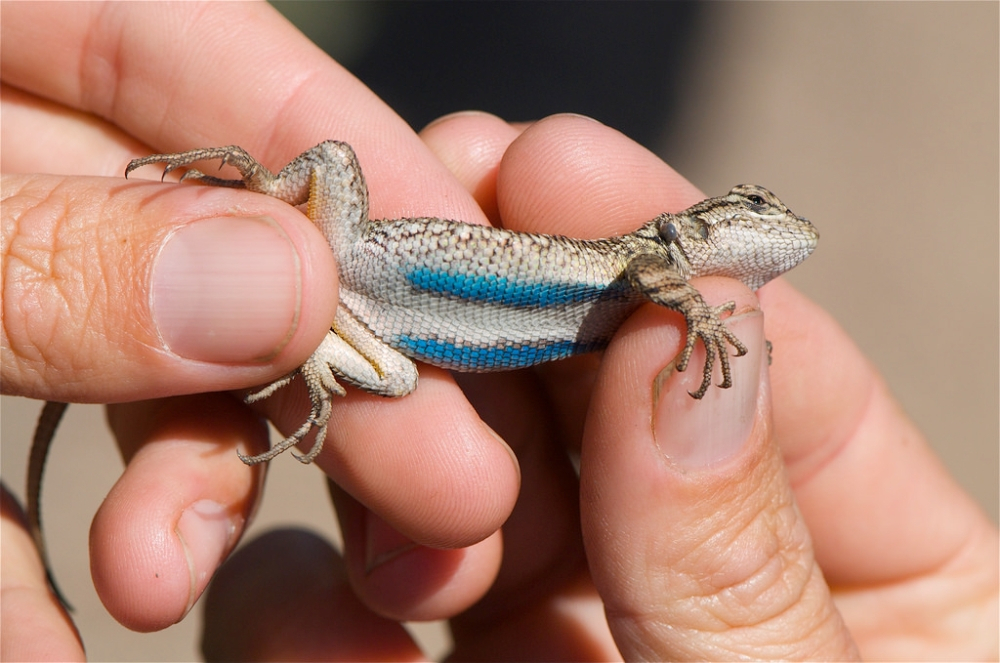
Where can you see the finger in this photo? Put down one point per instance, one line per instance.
(565, 174)
(400, 579)
(41, 136)
(36, 627)
(285, 597)
(178, 510)
(542, 605)
(690, 525)
(858, 437)
(571, 175)
(109, 60)
(542, 547)
(541, 538)
(886, 517)
(117, 291)
(425, 463)
(471, 145)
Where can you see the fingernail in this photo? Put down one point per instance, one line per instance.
(382, 542)
(701, 433)
(205, 530)
(226, 290)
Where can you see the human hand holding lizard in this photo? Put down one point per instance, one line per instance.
(491, 617)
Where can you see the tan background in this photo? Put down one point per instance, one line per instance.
(877, 121)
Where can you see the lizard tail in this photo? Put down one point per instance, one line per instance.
(44, 432)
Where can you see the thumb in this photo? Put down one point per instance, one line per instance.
(116, 290)
(692, 533)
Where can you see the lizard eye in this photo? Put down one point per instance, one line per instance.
(758, 204)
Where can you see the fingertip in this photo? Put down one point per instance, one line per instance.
(572, 175)
(127, 290)
(702, 433)
(400, 579)
(471, 144)
(179, 508)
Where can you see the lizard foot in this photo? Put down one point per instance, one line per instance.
(705, 322)
(291, 185)
(322, 386)
(658, 280)
(231, 154)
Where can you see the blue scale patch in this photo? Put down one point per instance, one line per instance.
(450, 355)
(503, 291)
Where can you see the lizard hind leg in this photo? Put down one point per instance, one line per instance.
(291, 184)
(232, 155)
(322, 387)
(351, 352)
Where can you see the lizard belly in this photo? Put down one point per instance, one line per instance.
(481, 337)
(474, 298)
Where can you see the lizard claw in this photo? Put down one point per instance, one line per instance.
(655, 279)
(253, 173)
(322, 386)
(705, 322)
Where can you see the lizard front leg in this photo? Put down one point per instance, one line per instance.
(660, 282)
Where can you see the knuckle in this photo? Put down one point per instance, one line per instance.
(65, 273)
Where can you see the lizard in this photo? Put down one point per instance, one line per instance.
(473, 298)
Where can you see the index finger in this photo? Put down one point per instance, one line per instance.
(178, 76)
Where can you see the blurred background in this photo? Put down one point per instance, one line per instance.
(878, 121)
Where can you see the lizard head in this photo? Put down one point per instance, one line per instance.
(748, 234)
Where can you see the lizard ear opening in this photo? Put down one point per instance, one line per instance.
(668, 232)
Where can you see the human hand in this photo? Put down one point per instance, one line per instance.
(112, 289)
(797, 515)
